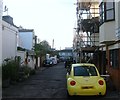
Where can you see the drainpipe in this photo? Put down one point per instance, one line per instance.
(107, 56)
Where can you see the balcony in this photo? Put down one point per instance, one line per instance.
(107, 33)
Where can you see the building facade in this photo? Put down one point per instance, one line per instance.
(1, 11)
(110, 39)
(26, 42)
(27, 39)
(65, 54)
(9, 38)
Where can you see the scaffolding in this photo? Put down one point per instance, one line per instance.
(87, 12)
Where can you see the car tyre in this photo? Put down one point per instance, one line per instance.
(69, 96)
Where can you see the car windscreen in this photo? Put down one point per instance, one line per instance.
(49, 60)
(85, 71)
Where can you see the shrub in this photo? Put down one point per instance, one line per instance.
(5, 72)
(25, 70)
(14, 71)
(32, 72)
(10, 70)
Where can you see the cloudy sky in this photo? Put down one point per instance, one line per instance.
(50, 19)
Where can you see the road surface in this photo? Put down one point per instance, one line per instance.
(47, 83)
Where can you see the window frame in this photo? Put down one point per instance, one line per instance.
(114, 58)
(110, 9)
(86, 71)
(104, 10)
(102, 14)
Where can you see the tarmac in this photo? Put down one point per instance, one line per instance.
(111, 90)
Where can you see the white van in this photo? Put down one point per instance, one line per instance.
(54, 59)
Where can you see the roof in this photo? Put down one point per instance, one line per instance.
(9, 20)
(89, 49)
(26, 30)
(82, 64)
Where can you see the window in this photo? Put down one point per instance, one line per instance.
(85, 71)
(110, 11)
(107, 11)
(102, 12)
(114, 58)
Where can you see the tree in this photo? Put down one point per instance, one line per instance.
(42, 48)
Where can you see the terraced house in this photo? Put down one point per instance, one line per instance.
(26, 42)
(110, 38)
(9, 38)
(17, 42)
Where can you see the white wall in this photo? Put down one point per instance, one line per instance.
(117, 13)
(22, 54)
(1, 5)
(31, 62)
(110, 30)
(9, 40)
(107, 32)
(117, 17)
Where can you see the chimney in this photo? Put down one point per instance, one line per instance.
(8, 19)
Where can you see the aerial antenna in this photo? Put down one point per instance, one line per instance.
(6, 9)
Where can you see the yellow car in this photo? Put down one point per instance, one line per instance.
(84, 79)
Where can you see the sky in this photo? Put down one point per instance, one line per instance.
(50, 19)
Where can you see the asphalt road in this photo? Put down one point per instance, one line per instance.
(49, 83)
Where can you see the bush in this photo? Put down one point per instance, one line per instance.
(5, 72)
(14, 71)
(10, 70)
(32, 72)
(24, 71)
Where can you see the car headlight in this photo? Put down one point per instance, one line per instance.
(50, 62)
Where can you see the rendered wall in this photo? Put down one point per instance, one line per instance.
(9, 40)
(1, 5)
(1, 31)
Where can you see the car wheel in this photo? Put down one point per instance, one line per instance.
(68, 95)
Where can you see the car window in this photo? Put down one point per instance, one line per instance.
(48, 61)
(85, 71)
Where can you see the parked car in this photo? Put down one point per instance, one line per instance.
(58, 60)
(54, 60)
(68, 62)
(47, 62)
(84, 79)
